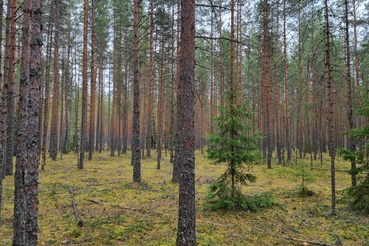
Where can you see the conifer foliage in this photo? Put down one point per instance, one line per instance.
(232, 143)
(360, 192)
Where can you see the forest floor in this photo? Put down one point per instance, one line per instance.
(116, 211)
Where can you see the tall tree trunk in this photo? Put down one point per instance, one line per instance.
(55, 101)
(287, 130)
(161, 95)
(277, 107)
(84, 89)
(299, 136)
(350, 116)
(149, 122)
(266, 87)
(66, 131)
(76, 105)
(356, 58)
(22, 139)
(61, 120)
(186, 234)
(125, 100)
(91, 137)
(2, 130)
(329, 83)
(175, 177)
(9, 85)
(47, 90)
(101, 84)
(135, 145)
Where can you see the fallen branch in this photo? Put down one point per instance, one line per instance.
(211, 223)
(337, 170)
(299, 240)
(79, 220)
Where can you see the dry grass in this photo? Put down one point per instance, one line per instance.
(109, 179)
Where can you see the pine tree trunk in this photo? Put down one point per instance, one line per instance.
(9, 85)
(136, 155)
(149, 122)
(277, 107)
(91, 138)
(266, 87)
(47, 90)
(350, 112)
(186, 234)
(287, 128)
(175, 177)
(31, 168)
(22, 138)
(55, 101)
(329, 84)
(66, 131)
(84, 89)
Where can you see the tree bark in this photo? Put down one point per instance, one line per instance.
(23, 117)
(136, 155)
(186, 234)
(9, 85)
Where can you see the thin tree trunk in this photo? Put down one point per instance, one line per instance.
(66, 130)
(84, 89)
(175, 177)
(287, 130)
(350, 116)
(277, 90)
(9, 85)
(149, 122)
(266, 87)
(55, 101)
(329, 83)
(47, 91)
(91, 137)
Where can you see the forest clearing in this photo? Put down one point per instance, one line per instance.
(153, 222)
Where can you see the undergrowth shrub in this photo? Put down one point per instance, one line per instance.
(221, 196)
(359, 194)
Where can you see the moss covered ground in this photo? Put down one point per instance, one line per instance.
(152, 219)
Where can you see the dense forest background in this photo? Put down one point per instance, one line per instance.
(110, 78)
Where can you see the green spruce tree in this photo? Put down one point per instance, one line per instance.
(359, 194)
(233, 143)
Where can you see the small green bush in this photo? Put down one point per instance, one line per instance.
(221, 196)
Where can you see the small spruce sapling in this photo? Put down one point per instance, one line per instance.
(360, 192)
(233, 143)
